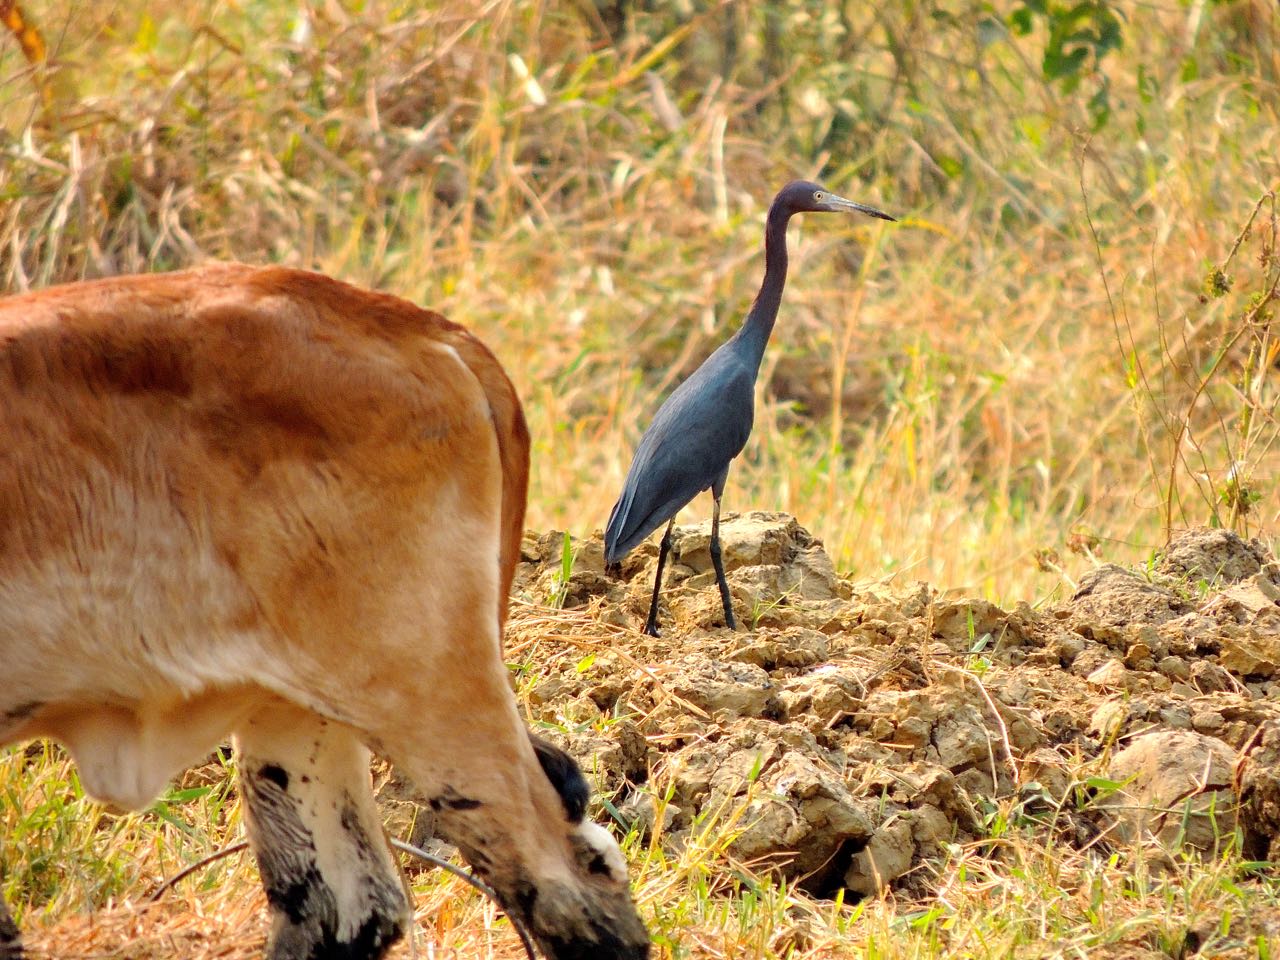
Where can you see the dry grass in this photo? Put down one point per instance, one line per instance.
(944, 400)
(1028, 365)
(1018, 893)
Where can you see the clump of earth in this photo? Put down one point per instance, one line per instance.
(845, 737)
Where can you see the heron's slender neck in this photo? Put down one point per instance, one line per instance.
(754, 335)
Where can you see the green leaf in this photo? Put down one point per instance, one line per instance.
(144, 41)
(1058, 64)
(952, 167)
(566, 558)
(187, 795)
(1100, 106)
(1103, 785)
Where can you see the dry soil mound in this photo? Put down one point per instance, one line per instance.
(847, 736)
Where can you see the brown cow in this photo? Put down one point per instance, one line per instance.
(266, 502)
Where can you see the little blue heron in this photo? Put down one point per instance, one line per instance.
(705, 422)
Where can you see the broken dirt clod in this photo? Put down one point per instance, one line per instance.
(1257, 782)
(1177, 790)
(1215, 557)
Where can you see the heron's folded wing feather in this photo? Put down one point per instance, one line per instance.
(702, 426)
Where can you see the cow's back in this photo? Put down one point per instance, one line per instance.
(208, 477)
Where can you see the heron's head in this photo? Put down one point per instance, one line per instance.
(801, 196)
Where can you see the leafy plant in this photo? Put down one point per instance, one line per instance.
(1079, 37)
(560, 583)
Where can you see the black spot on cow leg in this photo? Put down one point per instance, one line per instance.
(10, 937)
(451, 799)
(385, 922)
(18, 713)
(276, 774)
(480, 862)
(526, 895)
(566, 776)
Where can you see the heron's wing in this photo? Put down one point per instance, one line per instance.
(702, 426)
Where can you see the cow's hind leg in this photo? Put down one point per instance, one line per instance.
(332, 886)
(10, 939)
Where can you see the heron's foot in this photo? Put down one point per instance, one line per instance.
(651, 628)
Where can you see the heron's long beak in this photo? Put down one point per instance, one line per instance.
(840, 203)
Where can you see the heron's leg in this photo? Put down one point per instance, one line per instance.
(719, 565)
(651, 625)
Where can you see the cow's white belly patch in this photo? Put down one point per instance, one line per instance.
(137, 646)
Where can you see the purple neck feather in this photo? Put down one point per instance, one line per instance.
(754, 335)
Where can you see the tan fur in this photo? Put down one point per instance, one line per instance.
(233, 489)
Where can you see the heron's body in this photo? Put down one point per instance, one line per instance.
(706, 421)
(690, 420)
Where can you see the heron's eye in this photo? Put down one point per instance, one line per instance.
(818, 196)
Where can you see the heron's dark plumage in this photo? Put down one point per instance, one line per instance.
(686, 449)
(705, 422)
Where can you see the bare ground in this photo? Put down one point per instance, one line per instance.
(845, 737)
(851, 735)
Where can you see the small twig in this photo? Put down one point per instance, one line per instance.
(525, 939)
(1184, 422)
(1004, 730)
(198, 865)
(1244, 231)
